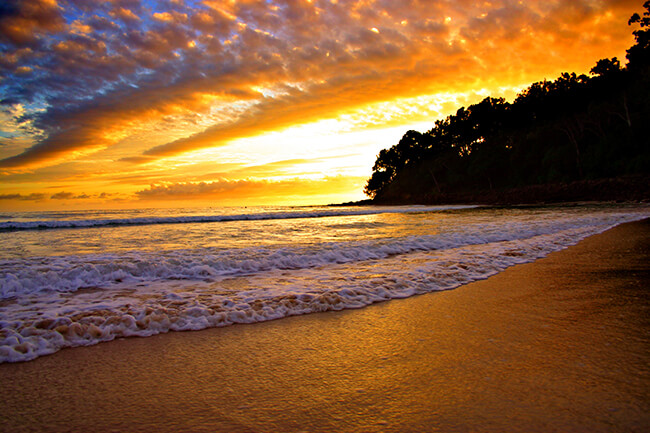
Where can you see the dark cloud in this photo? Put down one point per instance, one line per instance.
(137, 159)
(62, 196)
(10, 196)
(23, 21)
(55, 147)
(33, 196)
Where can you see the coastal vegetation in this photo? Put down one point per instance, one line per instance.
(574, 138)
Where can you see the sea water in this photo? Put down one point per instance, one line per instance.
(77, 278)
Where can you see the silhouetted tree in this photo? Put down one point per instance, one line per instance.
(607, 68)
(575, 127)
(638, 55)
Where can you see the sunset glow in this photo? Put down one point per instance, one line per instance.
(142, 103)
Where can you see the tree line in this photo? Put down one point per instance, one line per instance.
(577, 127)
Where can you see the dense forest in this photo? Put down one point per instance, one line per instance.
(578, 137)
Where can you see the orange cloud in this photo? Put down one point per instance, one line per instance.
(247, 189)
(201, 75)
(123, 14)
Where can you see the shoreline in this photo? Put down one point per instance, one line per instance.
(559, 344)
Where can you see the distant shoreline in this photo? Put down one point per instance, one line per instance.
(620, 189)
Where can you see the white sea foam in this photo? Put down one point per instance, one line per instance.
(73, 300)
(69, 273)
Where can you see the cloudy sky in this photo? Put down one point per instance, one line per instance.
(132, 103)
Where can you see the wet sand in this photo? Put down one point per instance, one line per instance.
(562, 344)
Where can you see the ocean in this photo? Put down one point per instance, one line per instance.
(77, 278)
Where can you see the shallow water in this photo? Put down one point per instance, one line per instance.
(73, 279)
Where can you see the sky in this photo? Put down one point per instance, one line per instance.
(142, 103)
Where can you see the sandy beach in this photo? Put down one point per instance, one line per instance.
(561, 344)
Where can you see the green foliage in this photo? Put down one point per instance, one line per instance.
(574, 128)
